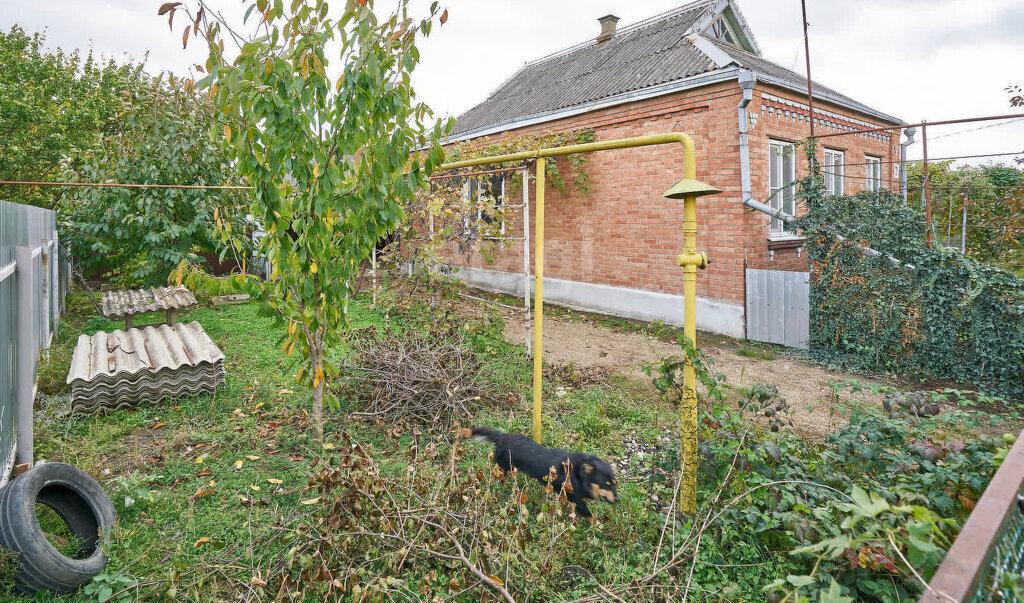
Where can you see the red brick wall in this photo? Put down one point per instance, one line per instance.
(624, 233)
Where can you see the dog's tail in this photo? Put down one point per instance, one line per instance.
(482, 434)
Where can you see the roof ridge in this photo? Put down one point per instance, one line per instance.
(690, 6)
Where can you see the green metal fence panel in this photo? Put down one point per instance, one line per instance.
(36, 228)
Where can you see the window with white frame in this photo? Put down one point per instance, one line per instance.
(872, 173)
(834, 171)
(782, 183)
(720, 29)
(486, 199)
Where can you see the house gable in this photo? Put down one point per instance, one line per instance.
(667, 53)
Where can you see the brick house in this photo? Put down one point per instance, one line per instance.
(612, 250)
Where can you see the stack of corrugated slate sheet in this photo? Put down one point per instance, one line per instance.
(126, 368)
(125, 304)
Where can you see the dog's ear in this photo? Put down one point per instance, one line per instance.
(587, 465)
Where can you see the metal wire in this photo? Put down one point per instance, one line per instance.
(125, 185)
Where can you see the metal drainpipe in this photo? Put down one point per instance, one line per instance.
(903, 161)
(747, 81)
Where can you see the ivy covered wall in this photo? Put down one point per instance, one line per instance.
(908, 308)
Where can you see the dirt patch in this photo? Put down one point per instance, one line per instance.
(581, 341)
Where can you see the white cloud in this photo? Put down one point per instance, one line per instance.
(934, 59)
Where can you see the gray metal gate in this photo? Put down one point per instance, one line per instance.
(778, 303)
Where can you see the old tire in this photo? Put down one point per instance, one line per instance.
(80, 502)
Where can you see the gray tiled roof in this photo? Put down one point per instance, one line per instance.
(652, 53)
(769, 71)
(655, 54)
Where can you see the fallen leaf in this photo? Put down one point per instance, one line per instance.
(312, 501)
(237, 465)
(254, 487)
(270, 451)
(199, 459)
(252, 457)
(202, 540)
(275, 481)
(285, 391)
(257, 582)
(176, 482)
(328, 446)
(237, 428)
(204, 473)
(158, 425)
(258, 406)
(295, 457)
(201, 492)
(156, 459)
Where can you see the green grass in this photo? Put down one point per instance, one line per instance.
(199, 515)
(172, 468)
(751, 352)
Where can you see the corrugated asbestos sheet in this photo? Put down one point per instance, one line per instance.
(127, 303)
(127, 368)
(634, 60)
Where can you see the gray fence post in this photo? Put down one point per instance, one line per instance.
(27, 351)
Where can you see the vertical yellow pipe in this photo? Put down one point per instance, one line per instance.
(688, 410)
(538, 302)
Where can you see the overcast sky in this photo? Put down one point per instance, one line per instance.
(915, 59)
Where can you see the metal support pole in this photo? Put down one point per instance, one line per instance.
(28, 351)
(526, 259)
(963, 228)
(538, 305)
(690, 260)
(807, 55)
(927, 186)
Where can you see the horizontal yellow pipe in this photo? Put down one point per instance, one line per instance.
(588, 147)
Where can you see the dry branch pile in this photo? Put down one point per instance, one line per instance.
(425, 378)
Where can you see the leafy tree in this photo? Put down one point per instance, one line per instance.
(52, 105)
(994, 197)
(162, 137)
(332, 158)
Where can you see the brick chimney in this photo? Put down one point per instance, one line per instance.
(607, 27)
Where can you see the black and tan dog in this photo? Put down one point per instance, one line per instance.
(589, 476)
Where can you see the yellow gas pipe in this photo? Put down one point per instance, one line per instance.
(688, 189)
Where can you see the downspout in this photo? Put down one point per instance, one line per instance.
(747, 81)
(903, 161)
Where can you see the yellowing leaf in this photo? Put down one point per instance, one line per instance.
(313, 268)
(275, 481)
(328, 446)
(252, 457)
(237, 465)
(199, 459)
(312, 501)
(201, 541)
(254, 487)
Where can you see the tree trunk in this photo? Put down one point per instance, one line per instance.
(317, 356)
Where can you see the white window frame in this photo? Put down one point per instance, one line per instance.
(872, 173)
(724, 28)
(782, 185)
(834, 170)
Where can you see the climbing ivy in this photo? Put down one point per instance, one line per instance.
(906, 308)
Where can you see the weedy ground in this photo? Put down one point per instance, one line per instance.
(226, 497)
